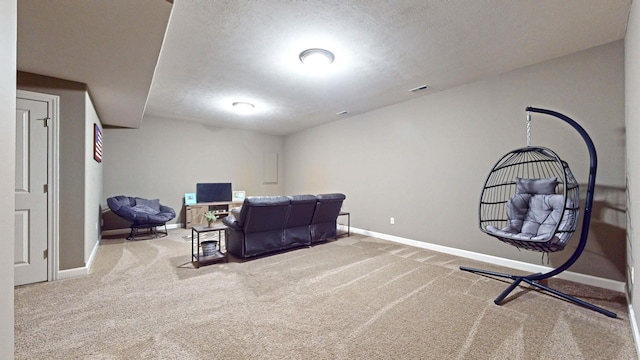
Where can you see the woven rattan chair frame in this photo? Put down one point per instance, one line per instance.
(529, 163)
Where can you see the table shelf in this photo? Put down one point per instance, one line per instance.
(197, 256)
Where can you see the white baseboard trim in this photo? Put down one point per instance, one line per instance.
(85, 270)
(72, 273)
(175, 226)
(93, 255)
(127, 230)
(81, 271)
(634, 329)
(519, 265)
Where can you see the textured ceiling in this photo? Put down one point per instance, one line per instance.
(110, 45)
(218, 52)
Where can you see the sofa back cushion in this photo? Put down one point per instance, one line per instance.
(327, 208)
(301, 210)
(263, 213)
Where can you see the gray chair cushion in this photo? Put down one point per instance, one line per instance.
(140, 211)
(536, 186)
(534, 211)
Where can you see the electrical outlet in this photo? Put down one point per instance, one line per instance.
(392, 220)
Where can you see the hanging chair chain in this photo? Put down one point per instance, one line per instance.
(528, 129)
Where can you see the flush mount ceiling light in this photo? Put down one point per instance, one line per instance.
(243, 107)
(316, 57)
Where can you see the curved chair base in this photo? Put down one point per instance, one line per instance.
(532, 280)
(152, 229)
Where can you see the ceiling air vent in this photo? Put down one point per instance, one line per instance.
(419, 88)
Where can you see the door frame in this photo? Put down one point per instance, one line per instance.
(53, 150)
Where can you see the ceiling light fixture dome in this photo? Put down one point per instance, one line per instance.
(243, 107)
(316, 57)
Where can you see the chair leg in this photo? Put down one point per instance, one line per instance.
(148, 230)
(527, 279)
(507, 291)
(160, 232)
(571, 298)
(132, 233)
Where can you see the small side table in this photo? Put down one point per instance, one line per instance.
(197, 256)
(348, 215)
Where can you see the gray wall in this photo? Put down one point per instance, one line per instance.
(8, 38)
(424, 161)
(632, 104)
(166, 158)
(76, 180)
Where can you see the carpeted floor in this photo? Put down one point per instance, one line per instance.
(354, 298)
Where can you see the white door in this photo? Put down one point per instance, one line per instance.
(31, 217)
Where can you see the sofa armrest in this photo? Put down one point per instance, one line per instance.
(231, 222)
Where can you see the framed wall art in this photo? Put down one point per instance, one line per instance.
(97, 143)
(238, 196)
(189, 198)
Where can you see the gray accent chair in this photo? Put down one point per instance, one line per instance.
(142, 213)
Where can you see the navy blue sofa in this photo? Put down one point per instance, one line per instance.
(266, 224)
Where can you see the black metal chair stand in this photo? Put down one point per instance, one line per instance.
(152, 229)
(534, 279)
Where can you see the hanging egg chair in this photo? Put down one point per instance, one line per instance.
(531, 200)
